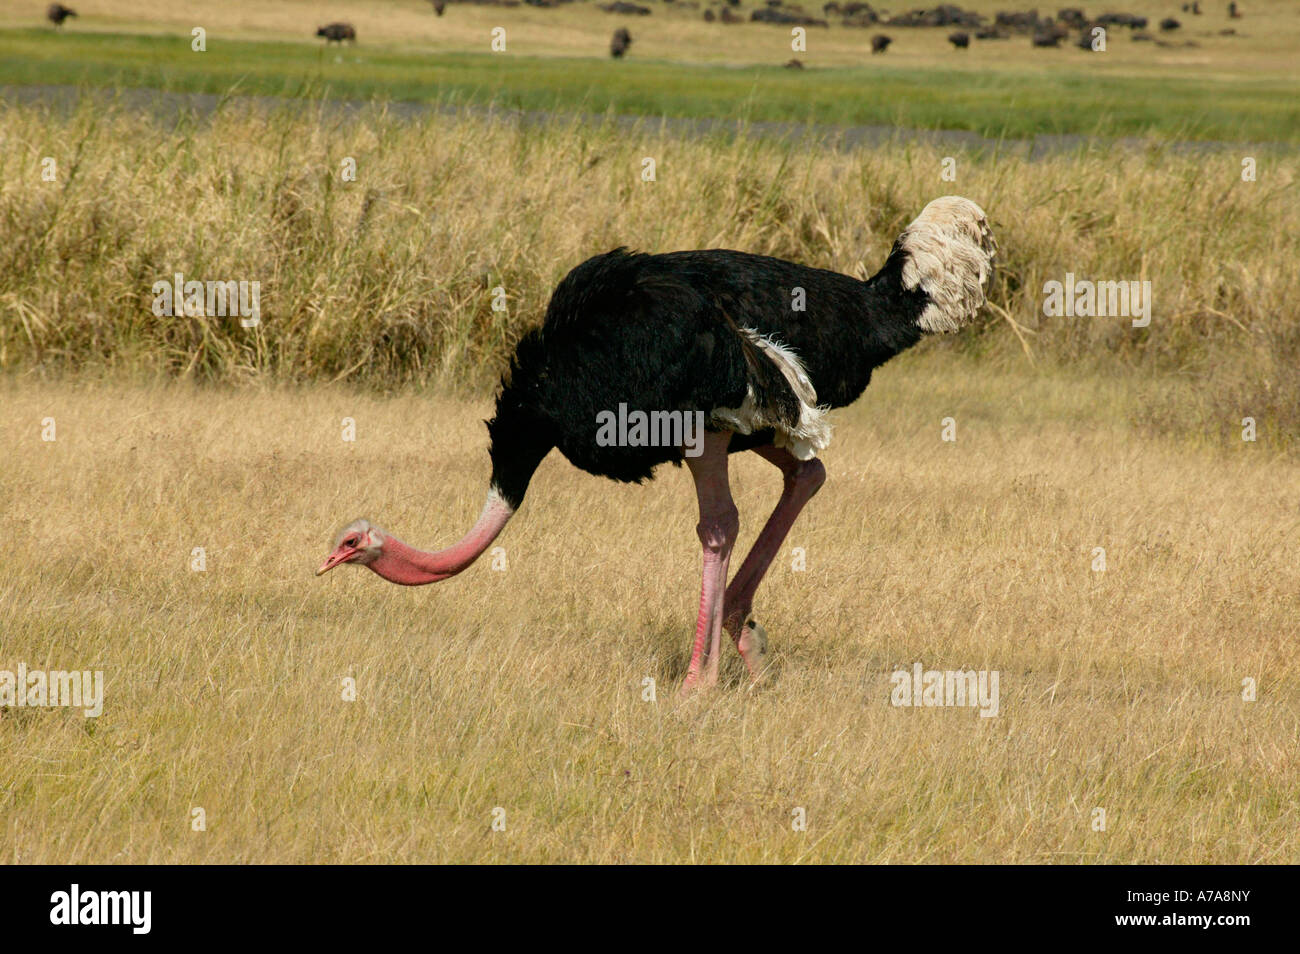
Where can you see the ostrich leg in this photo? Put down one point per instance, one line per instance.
(717, 529)
(803, 478)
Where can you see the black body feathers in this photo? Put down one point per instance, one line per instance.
(663, 332)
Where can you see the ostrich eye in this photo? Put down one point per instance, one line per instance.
(351, 542)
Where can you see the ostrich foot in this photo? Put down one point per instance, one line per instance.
(705, 679)
(752, 644)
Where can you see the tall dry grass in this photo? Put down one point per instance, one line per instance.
(388, 280)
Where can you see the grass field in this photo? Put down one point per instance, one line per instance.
(1099, 533)
(522, 689)
(1233, 88)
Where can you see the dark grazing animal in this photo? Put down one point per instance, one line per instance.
(1072, 17)
(945, 14)
(1130, 20)
(338, 32)
(707, 339)
(620, 42)
(1025, 21)
(788, 17)
(1047, 39)
(959, 40)
(57, 13)
(1169, 23)
(880, 42)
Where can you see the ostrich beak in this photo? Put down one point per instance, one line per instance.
(341, 555)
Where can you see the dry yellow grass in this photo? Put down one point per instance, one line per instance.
(522, 689)
(389, 278)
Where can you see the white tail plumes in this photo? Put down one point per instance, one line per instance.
(950, 251)
(813, 432)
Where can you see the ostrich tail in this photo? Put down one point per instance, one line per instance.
(948, 255)
(779, 395)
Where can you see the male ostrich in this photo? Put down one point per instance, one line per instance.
(713, 333)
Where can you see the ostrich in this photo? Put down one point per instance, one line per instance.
(57, 13)
(714, 335)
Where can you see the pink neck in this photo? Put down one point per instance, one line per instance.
(400, 563)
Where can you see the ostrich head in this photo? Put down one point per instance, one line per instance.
(359, 542)
(364, 544)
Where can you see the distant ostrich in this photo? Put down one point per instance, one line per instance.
(880, 42)
(337, 33)
(711, 335)
(619, 44)
(959, 39)
(57, 13)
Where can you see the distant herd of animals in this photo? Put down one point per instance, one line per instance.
(1042, 31)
